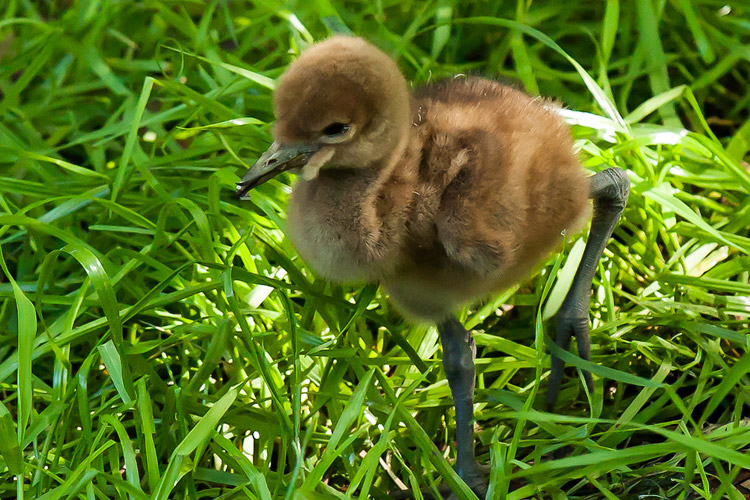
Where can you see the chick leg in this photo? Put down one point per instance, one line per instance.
(459, 352)
(609, 190)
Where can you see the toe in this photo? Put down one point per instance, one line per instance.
(478, 486)
(475, 480)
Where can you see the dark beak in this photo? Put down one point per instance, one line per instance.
(278, 158)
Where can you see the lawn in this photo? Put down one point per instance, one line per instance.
(161, 339)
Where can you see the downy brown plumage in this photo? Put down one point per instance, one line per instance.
(442, 196)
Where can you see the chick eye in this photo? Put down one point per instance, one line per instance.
(336, 129)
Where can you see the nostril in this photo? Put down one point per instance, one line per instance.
(271, 161)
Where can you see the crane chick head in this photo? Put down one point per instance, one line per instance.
(343, 103)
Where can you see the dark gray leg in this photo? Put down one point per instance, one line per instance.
(609, 190)
(459, 352)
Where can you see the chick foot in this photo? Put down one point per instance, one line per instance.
(475, 480)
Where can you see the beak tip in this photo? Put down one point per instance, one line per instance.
(243, 191)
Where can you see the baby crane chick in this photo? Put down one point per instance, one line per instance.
(443, 196)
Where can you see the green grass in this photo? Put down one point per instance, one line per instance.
(160, 339)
